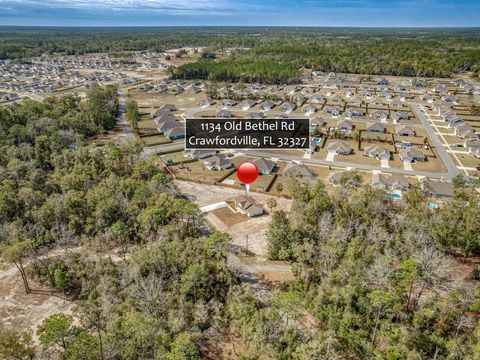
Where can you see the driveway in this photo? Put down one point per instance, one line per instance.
(447, 160)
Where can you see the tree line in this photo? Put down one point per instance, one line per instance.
(282, 63)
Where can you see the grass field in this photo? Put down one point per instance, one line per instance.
(196, 170)
(174, 157)
(468, 160)
(147, 126)
(431, 165)
(229, 217)
(154, 140)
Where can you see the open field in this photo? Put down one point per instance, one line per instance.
(229, 217)
(196, 170)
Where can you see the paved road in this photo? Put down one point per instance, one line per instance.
(343, 164)
(122, 119)
(447, 160)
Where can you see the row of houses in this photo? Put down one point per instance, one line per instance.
(166, 122)
(307, 109)
(398, 182)
(346, 126)
(460, 128)
(264, 166)
(380, 152)
(49, 74)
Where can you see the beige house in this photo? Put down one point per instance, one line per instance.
(248, 206)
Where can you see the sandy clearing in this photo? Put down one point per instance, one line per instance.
(25, 312)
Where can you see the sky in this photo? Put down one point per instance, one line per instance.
(352, 13)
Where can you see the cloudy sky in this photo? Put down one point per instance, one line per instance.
(389, 13)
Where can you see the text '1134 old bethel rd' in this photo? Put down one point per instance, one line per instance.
(216, 133)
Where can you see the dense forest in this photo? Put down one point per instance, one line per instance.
(373, 278)
(282, 63)
(56, 192)
(272, 55)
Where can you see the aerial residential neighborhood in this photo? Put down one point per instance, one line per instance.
(122, 238)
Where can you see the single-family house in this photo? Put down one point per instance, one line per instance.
(396, 103)
(472, 145)
(164, 109)
(247, 104)
(206, 102)
(336, 99)
(379, 115)
(160, 88)
(223, 114)
(448, 98)
(339, 148)
(437, 188)
(440, 90)
(267, 105)
(404, 130)
(399, 116)
(386, 94)
(427, 97)
(308, 109)
(168, 124)
(227, 103)
(377, 102)
(317, 99)
(406, 96)
(411, 155)
(389, 182)
(375, 127)
(344, 125)
(356, 101)
(317, 122)
(192, 89)
(248, 206)
(352, 112)
(200, 153)
(217, 162)
(332, 110)
(465, 131)
(307, 90)
(294, 169)
(264, 166)
(287, 107)
(377, 151)
(175, 133)
(177, 89)
(380, 81)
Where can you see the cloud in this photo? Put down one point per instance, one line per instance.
(172, 7)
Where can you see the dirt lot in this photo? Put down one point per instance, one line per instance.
(251, 230)
(148, 101)
(228, 217)
(24, 312)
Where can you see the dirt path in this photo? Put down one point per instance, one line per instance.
(24, 312)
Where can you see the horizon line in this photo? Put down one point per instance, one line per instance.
(241, 26)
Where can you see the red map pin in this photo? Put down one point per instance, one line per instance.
(247, 172)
